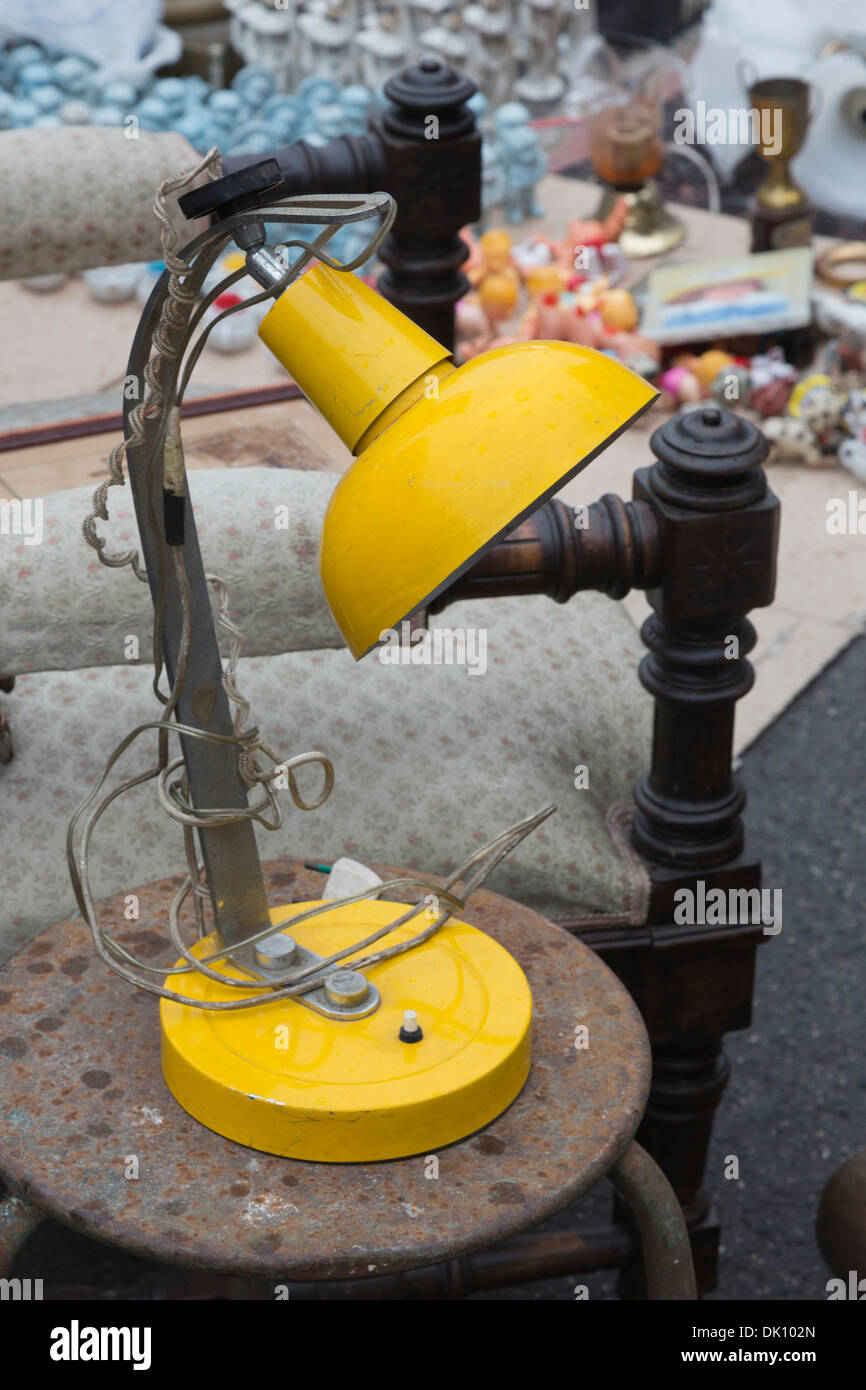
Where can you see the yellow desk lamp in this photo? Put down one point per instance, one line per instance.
(355, 1032)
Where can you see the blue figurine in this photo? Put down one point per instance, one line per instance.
(194, 125)
(477, 104)
(47, 98)
(315, 91)
(152, 114)
(195, 91)
(73, 74)
(18, 58)
(283, 116)
(328, 121)
(356, 100)
(253, 138)
(40, 74)
(492, 178)
(171, 90)
(24, 113)
(524, 163)
(254, 85)
(122, 94)
(112, 115)
(226, 112)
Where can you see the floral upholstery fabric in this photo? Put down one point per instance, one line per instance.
(46, 226)
(60, 609)
(430, 761)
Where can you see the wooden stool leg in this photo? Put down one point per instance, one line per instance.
(664, 1238)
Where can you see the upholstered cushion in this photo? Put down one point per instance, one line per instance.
(430, 761)
(63, 610)
(46, 225)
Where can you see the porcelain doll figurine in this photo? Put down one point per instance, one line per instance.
(492, 65)
(424, 14)
(327, 38)
(383, 44)
(265, 34)
(446, 40)
(541, 86)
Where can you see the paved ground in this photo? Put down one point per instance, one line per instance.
(796, 1106)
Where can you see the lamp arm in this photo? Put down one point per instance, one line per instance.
(611, 546)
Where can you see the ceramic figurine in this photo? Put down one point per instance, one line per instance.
(541, 86)
(264, 34)
(152, 114)
(329, 121)
(254, 85)
(23, 113)
(283, 116)
(47, 99)
(510, 115)
(492, 53)
(445, 40)
(74, 112)
(327, 38)
(424, 14)
(356, 101)
(316, 91)
(113, 283)
(226, 113)
(253, 138)
(524, 165)
(492, 178)
(124, 95)
(38, 74)
(383, 44)
(810, 432)
(113, 115)
(73, 75)
(18, 58)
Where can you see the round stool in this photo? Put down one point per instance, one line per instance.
(83, 1088)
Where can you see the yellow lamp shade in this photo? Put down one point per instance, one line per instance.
(450, 459)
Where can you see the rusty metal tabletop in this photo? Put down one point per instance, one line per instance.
(82, 1089)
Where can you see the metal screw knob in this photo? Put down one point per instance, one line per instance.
(346, 987)
(411, 1030)
(275, 952)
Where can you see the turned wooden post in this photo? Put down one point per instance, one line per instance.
(718, 524)
(425, 150)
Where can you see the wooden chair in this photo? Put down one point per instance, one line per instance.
(699, 537)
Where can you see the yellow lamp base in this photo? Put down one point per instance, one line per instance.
(286, 1080)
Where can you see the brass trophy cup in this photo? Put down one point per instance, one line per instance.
(780, 211)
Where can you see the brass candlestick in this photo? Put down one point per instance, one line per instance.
(780, 210)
